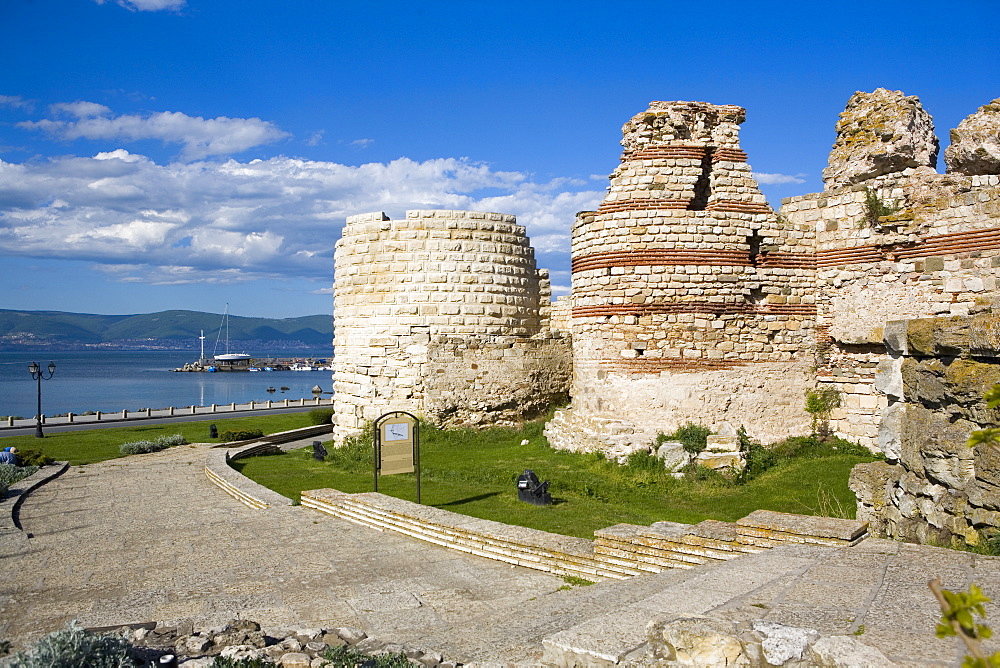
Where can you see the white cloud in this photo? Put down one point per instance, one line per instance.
(15, 102)
(148, 5)
(315, 138)
(230, 221)
(79, 109)
(777, 179)
(362, 143)
(200, 137)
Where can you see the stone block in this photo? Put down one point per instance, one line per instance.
(889, 377)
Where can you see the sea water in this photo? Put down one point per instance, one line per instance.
(109, 381)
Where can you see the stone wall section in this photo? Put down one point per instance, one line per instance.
(938, 254)
(417, 295)
(692, 301)
(932, 486)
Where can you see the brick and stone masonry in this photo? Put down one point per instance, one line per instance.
(934, 251)
(692, 300)
(443, 314)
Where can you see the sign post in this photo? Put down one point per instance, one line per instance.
(397, 446)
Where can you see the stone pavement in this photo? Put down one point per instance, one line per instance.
(148, 538)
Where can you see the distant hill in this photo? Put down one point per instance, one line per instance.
(29, 330)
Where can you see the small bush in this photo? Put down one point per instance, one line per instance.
(33, 458)
(346, 657)
(321, 416)
(75, 647)
(240, 435)
(10, 474)
(642, 460)
(875, 208)
(693, 437)
(142, 447)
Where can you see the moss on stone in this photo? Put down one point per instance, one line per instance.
(920, 336)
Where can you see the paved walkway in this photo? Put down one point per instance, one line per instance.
(149, 538)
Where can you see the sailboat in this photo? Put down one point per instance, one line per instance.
(227, 357)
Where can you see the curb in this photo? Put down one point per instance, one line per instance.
(11, 504)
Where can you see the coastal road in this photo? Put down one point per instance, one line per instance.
(109, 424)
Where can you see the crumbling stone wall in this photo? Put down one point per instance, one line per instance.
(932, 487)
(933, 251)
(420, 306)
(692, 301)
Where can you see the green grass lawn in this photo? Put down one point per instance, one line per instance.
(474, 472)
(95, 445)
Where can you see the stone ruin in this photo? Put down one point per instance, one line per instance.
(693, 300)
(443, 314)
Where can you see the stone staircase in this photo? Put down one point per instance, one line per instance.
(618, 552)
(519, 546)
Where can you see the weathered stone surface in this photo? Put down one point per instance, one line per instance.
(673, 455)
(697, 641)
(783, 643)
(845, 652)
(890, 430)
(295, 660)
(804, 525)
(978, 335)
(975, 143)
(881, 132)
(889, 377)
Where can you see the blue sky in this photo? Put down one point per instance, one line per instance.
(160, 154)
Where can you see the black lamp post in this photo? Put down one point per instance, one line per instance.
(39, 375)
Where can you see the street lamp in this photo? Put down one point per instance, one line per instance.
(39, 375)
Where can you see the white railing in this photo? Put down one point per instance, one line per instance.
(172, 411)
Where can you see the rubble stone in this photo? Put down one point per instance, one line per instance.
(975, 143)
(882, 132)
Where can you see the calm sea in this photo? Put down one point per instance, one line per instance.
(104, 380)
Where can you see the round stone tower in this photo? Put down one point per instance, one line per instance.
(691, 300)
(409, 292)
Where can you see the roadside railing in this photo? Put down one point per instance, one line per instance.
(172, 411)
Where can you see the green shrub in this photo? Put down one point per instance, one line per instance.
(142, 447)
(240, 435)
(875, 208)
(3, 490)
(346, 657)
(321, 416)
(820, 404)
(9, 474)
(33, 458)
(75, 647)
(642, 460)
(693, 437)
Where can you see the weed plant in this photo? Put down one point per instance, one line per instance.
(159, 443)
(231, 435)
(320, 416)
(10, 474)
(345, 657)
(227, 662)
(33, 458)
(694, 437)
(74, 647)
